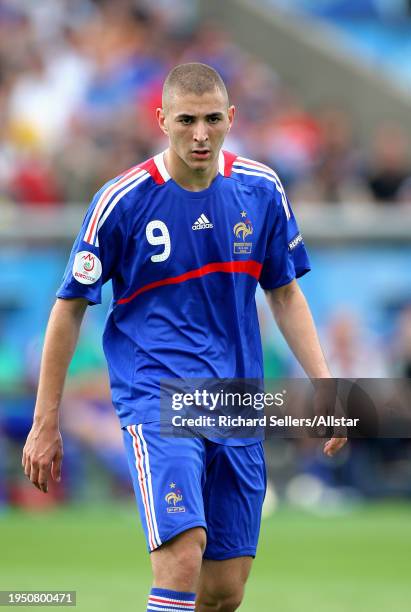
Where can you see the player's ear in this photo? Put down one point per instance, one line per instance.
(231, 113)
(161, 118)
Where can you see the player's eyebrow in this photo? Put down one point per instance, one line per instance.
(188, 116)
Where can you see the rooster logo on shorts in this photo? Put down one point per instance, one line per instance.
(173, 498)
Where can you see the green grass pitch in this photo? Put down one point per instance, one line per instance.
(354, 562)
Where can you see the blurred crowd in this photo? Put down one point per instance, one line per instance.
(349, 9)
(80, 79)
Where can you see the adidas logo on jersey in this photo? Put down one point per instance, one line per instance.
(202, 223)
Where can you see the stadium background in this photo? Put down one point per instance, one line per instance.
(78, 84)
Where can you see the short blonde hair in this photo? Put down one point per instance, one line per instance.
(193, 78)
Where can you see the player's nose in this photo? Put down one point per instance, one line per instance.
(200, 132)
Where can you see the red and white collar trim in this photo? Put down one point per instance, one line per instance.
(221, 163)
(161, 167)
(225, 164)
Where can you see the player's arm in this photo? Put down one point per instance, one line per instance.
(294, 319)
(44, 449)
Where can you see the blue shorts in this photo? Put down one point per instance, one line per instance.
(182, 483)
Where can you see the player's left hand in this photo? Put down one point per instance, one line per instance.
(333, 446)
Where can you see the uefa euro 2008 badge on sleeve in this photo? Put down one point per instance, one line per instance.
(86, 268)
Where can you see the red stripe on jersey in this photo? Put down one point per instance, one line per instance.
(253, 268)
(107, 195)
(151, 168)
(229, 159)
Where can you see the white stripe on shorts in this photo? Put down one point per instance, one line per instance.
(149, 483)
(142, 480)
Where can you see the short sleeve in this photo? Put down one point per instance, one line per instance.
(286, 257)
(93, 256)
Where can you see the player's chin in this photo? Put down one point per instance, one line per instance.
(201, 163)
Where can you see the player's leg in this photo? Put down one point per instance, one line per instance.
(176, 566)
(221, 584)
(177, 563)
(167, 477)
(233, 497)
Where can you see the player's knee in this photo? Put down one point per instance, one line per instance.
(177, 564)
(222, 601)
(188, 564)
(179, 573)
(231, 603)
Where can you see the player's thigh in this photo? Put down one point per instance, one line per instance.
(233, 497)
(167, 475)
(223, 581)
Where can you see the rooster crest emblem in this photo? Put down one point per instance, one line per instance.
(243, 227)
(174, 497)
(241, 230)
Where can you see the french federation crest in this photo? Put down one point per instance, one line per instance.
(242, 229)
(174, 498)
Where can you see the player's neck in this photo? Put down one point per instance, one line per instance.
(192, 180)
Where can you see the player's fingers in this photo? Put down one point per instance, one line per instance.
(330, 447)
(334, 445)
(27, 466)
(56, 468)
(34, 473)
(341, 442)
(23, 459)
(43, 477)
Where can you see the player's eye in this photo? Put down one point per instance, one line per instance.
(186, 120)
(214, 119)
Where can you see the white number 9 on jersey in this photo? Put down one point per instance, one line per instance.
(163, 238)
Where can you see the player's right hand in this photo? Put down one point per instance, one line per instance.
(42, 453)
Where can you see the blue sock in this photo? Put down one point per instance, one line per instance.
(165, 600)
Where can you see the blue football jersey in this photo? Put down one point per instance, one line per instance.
(184, 268)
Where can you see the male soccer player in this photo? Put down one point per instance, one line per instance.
(184, 237)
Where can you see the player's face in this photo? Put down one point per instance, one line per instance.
(196, 127)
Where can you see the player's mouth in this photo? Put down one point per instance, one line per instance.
(201, 153)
